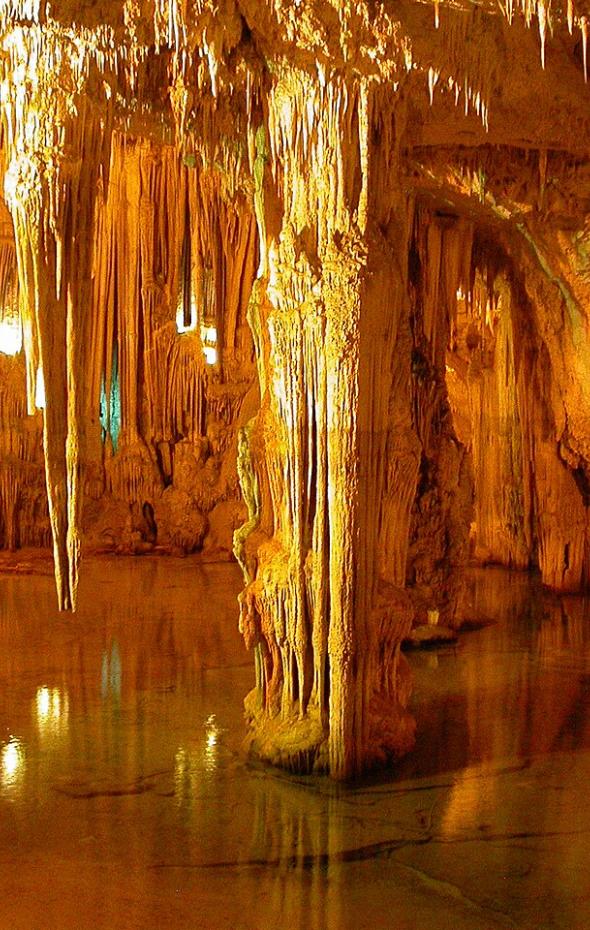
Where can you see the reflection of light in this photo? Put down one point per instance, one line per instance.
(40, 390)
(466, 802)
(52, 707)
(11, 336)
(195, 761)
(211, 738)
(460, 294)
(184, 777)
(12, 761)
(180, 763)
(43, 702)
(210, 354)
(10, 758)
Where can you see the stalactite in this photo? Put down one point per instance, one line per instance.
(542, 18)
(52, 207)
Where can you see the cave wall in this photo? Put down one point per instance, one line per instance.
(163, 406)
(517, 358)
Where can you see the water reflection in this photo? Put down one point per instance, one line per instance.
(12, 763)
(518, 687)
(212, 736)
(52, 707)
(110, 678)
(147, 776)
(196, 761)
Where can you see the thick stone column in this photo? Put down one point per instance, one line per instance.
(333, 459)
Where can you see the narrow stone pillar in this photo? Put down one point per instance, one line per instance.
(55, 130)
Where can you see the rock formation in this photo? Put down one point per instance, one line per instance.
(335, 252)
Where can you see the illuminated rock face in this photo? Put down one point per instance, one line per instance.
(337, 253)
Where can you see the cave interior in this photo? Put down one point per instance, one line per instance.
(302, 286)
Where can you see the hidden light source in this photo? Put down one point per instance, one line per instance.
(11, 336)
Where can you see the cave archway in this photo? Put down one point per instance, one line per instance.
(482, 345)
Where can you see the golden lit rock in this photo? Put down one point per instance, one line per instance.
(307, 283)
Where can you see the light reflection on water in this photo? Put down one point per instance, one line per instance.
(52, 708)
(197, 759)
(12, 763)
(143, 691)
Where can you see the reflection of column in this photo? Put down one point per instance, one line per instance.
(297, 832)
(110, 683)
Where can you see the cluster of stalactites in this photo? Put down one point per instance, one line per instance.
(56, 112)
(546, 16)
(207, 55)
(317, 141)
(179, 255)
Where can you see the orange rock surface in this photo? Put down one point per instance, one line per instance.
(309, 281)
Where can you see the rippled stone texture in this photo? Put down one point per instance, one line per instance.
(126, 802)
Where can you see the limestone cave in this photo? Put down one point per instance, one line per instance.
(294, 464)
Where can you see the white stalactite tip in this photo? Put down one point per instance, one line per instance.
(542, 17)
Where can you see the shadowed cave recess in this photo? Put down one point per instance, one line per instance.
(303, 285)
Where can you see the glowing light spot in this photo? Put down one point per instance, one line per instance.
(11, 762)
(212, 734)
(40, 390)
(209, 340)
(209, 334)
(43, 702)
(52, 709)
(11, 336)
(182, 324)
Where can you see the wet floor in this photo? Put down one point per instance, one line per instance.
(125, 802)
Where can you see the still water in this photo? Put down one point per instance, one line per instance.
(126, 803)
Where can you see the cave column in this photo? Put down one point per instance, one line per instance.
(56, 138)
(323, 607)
